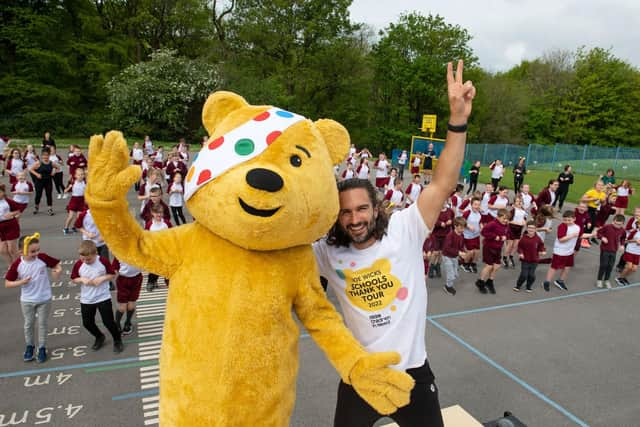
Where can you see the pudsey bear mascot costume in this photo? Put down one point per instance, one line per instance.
(261, 190)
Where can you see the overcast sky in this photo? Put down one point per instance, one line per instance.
(506, 31)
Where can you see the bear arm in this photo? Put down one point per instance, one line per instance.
(324, 323)
(152, 251)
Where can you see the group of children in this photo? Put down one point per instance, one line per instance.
(93, 271)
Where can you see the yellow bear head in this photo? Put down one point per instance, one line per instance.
(285, 196)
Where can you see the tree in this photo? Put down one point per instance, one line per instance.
(409, 63)
(164, 95)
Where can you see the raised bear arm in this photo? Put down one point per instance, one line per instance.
(110, 178)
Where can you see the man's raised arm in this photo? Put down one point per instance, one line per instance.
(446, 174)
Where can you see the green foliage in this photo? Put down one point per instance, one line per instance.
(165, 94)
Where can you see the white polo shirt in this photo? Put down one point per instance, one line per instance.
(38, 289)
(93, 294)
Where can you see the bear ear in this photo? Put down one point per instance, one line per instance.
(336, 137)
(217, 108)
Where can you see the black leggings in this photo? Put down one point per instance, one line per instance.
(423, 410)
(495, 182)
(527, 274)
(57, 180)
(593, 213)
(517, 183)
(607, 260)
(177, 214)
(46, 185)
(88, 312)
(472, 186)
(561, 194)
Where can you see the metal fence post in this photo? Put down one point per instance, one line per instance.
(484, 154)
(615, 163)
(529, 154)
(555, 151)
(504, 156)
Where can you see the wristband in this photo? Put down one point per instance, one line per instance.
(457, 129)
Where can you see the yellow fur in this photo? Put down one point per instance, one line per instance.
(229, 354)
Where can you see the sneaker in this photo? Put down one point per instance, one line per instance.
(50, 212)
(607, 284)
(128, 329)
(560, 285)
(474, 268)
(481, 286)
(620, 281)
(599, 284)
(490, 286)
(450, 291)
(74, 230)
(98, 343)
(35, 210)
(585, 243)
(65, 195)
(546, 286)
(118, 347)
(505, 263)
(529, 290)
(465, 268)
(59, 196)
(65, 231)
(626, 282)
(516, 289)
(42, 355)
(28, 354)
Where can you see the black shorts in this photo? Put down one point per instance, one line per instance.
(423, 410)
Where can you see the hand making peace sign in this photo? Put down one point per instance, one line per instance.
(460, 95)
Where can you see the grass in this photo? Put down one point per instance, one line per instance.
(63, 143)
(538, 179)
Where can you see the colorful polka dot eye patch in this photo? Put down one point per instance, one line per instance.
(238, 146)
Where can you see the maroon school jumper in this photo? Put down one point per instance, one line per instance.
(492, 248)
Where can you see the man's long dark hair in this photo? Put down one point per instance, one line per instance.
(337, 236)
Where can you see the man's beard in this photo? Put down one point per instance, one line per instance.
(361, 238)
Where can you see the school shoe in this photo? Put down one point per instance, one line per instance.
(65, 196)
(450, 291)
(28, 354)
(585, 243)
(128, 329)
(59, 196)
(528, 289)
(599, 284)
(516, 289)
(505, 263)
(620, 281)
(50, 212)
(42, 355)
(481, 286)
(98, 343)
(118, 346)
(474, 268)
(74, 230)
(36, 210)
(489, 285)
(545, 285)
(607, 284)
(432, 269)
(560, 285)
(65, 231)
(512, 262)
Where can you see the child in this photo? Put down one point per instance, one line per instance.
(174, 167)
(497, 172)
(543, 221)
(527, 198)
(516, 224)
(176, 200)
(9, 227)
(58, 176)
(623, 191)
(484, 204)
(441, 228)
(153, 181)
(29, 272)
(471, 235)
(393, 174)
(136, 154)
(157, 223)
(155, 198)
(76, 161)
(30, 157)
(93, 273)
(612, 237)
(76, 204)
(148, 145)
(413, 190)
(498, 201)
(158, 158)
(416, 163)
(128, 283)
(456, 200)
(563, 249)
(583, 220)
(631, 257)
(87, 227)
(21, 190)
(495, 234)
(474, 173)
(348, 172)
(382, 171)
(15, 165)
(395, 195)
(530, 249)
(452, 248)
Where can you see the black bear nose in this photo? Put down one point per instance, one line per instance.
(264, 179)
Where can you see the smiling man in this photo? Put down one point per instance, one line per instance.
(375, 268)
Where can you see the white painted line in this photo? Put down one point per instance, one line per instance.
(149, 380)
(151, 414)
(152, 334)
(149, 368)
(151, 406)
(147, 353)
(150, 373)
(155, 398)
(148, 343)
(143, 358)
(151, 322)
(151, 421)
(150, 385)
(155, 311)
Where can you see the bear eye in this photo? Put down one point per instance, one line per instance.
(295, 160)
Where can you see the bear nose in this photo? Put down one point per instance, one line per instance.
(264, 179)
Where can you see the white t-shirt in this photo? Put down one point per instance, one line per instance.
(381, 289)
(127, 270)
(473, 218)
(89, 225)
(543, 234)
(381, 168)
(17, 166)
(39, 288)
(527, 199)
(402, 160)
(175, 198)
(568, 247)
(157, 226)
(137, 154)
(622, 191)
(363, 171)
(519, 216)
(497, 172)
(632, 246)
(77, 189)
(93, 294)
(414, 191)
(22, 187)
